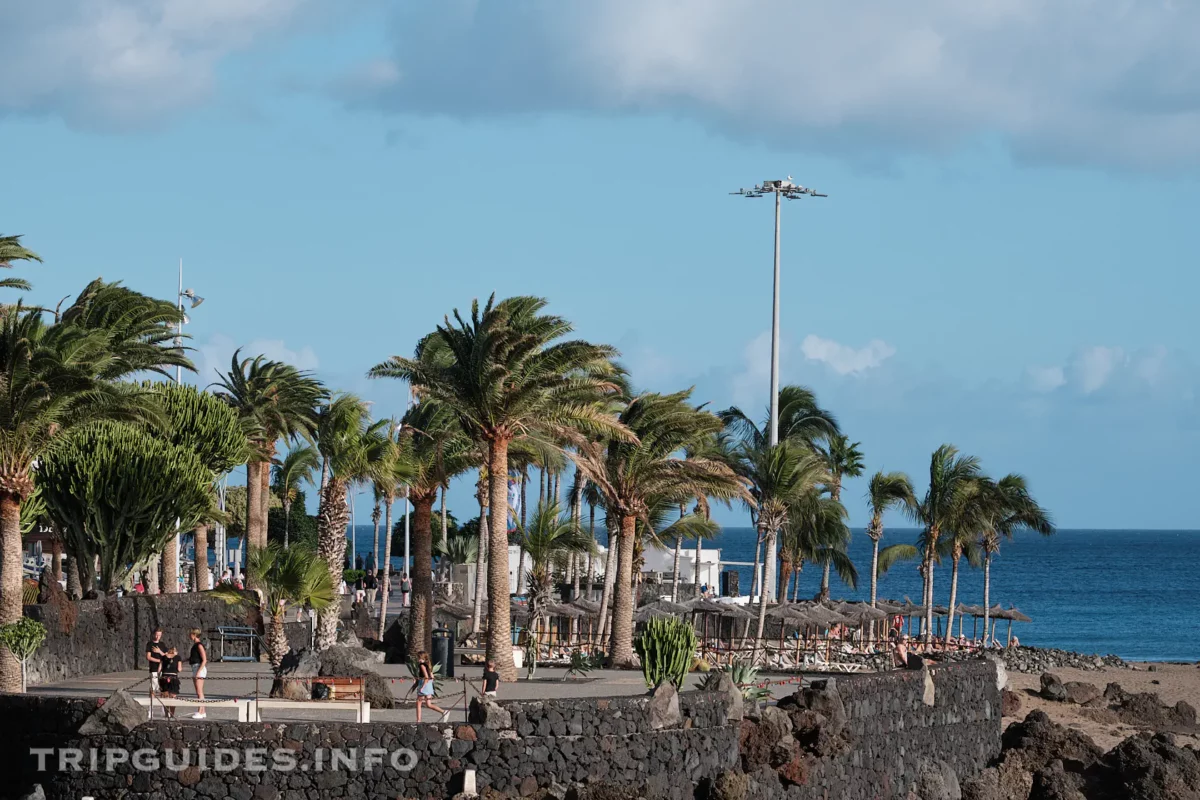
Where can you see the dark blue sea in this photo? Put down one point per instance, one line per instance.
(1132, 593)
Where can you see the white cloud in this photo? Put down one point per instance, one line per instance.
(1108, 81)
(1091, 368)
(843, 359)
(122, 63)
(1045, 379)
(213, 356)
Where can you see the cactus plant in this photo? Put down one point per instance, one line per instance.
(667, 648)
(744, 675)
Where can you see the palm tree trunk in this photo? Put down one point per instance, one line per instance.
(152, 571)
(621, 650)
(170, 566)
(12, 561)
(987, 589)
(375, 519)
(696, 567)
(763, 598)
(56, 554)
(420, 624)
(277, 643)
(591, 559)
(201, 571)
(769, 576)
(874, 569)
(929, 551)
(256, 521)
(785, 577)
(287, 524)
(956, 556)
(499, 640)
(74, 585)
(522, 583)
(385, 567)
(799, 572)
(264, 475)
(610, 579)
(481, 555)
(332, 518)
(825, 580)
(755, 578)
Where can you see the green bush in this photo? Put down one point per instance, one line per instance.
(352, 575)
(666, 647)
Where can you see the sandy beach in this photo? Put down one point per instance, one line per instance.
(1171, 682)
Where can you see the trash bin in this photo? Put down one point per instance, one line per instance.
(443, 651)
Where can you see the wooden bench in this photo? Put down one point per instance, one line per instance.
(343, 688)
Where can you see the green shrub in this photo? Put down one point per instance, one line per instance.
(667, 647)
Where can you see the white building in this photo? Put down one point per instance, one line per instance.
(662, 562)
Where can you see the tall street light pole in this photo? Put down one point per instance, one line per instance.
(195, 300)
(792, 191)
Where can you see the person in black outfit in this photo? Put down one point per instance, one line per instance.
(168, 682)
(154, 653)
(370, 584)
(491, 680)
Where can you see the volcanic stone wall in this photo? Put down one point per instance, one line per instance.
(899, 724)
(88, 637)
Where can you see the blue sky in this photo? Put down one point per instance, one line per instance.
(1005, 261)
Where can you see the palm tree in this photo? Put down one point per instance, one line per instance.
(435, 450)
(390, 475)
(549, 539)
(350, 444)
(951, 476)
(55, 377)
(1013, 508)
(274, 401)
(635, 475)
(287, 576)
(289, 474)
(843, 459)
(887, 490)
(12, 250)
(504, 371)
(801, 420)
(816, 532)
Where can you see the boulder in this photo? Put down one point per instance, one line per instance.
(120, 714)
(730, 786)
(1152, 768)
(1010, 703)
(348, 638)
(1004, 782)
(936, 781)
(1055, 783)
(1081, 693)
(1037, 742)
(395, 643)
(295, 675)
(35, 793)
(664, 707)
(355, 662)
(819, 720)
(731, 698)
(1053, 688)
(488, 713)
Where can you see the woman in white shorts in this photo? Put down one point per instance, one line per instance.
(198, 659)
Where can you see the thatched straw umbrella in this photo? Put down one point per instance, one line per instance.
(1013, 615)
(660, 608)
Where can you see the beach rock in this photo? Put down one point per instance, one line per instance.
(936, 781)
(347, 638)
(1037, 659)
(1081, 693)
(1010, 703)
(1146, 710)
(1007, 781)
(1055, 783)
(1053, 688)
(1152, 768)
(664, 707)
(120, 714)
(1037, 742)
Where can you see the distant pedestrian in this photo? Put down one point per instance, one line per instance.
(405, 589)
(372, 586)
(491, 679)
(425, 687)
(358, 564)
(198, 660)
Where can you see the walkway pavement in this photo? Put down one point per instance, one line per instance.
(241, 680)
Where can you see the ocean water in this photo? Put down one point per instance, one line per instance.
(1132, 593)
